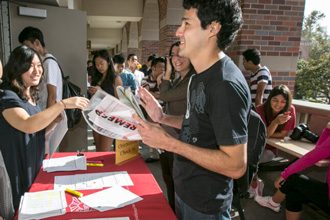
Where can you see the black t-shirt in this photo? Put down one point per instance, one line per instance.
(217, 114)
(23, 153)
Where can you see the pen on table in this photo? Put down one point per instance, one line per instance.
(74, 192)
(95, 164)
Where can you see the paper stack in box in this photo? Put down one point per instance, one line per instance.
(43, 204)
(69, 163)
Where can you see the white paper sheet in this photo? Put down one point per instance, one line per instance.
(111, 198)
(64, 164)
(92, 180)
(55, 135)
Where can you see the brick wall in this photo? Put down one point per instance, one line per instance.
(148, 47)
(136, 51)
(167, 38)
(273, 27)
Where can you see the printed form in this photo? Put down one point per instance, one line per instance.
(93, 180)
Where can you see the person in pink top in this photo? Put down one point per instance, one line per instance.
(299, 189)
(279, 116)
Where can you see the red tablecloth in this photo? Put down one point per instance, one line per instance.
(153, 206)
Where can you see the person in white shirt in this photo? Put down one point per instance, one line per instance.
(132, 62)
(51, 88)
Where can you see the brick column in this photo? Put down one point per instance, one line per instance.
(167, 38)
(171, 12)
(148, 47)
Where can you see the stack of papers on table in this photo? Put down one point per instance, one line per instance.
(64, 164)
(43, 204)
(111, 198)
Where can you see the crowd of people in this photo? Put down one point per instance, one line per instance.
(196, 101)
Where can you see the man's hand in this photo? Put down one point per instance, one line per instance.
(151, 105)
(152, 134)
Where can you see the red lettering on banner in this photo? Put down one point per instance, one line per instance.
(116, 120)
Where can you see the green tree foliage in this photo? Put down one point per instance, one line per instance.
(313, 74)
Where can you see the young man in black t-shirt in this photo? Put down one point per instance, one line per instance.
(213, 140)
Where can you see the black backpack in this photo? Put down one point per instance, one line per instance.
(257, 134)
(69, 90)
(255, 147)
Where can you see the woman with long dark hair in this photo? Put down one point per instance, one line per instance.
(22, 124)
(279, 116)
(104, 78)
(174, 93)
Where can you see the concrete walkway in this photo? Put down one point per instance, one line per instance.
(252, 210)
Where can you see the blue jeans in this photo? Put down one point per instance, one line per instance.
(185, 212)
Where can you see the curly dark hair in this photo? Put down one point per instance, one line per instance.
(227, 12)
(18, 63)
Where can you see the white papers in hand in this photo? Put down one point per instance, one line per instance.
(55, 135)
(64, 164)
(111, 198)
(92, 180)
(43, 204)
(109, 116)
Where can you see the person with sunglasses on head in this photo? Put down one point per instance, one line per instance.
(173, 92)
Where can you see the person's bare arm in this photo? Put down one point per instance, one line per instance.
(260, 93)
(174, 121)
(21, 120)
(51, 99)
(280, 134)
(227, 160)
(118, 82)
